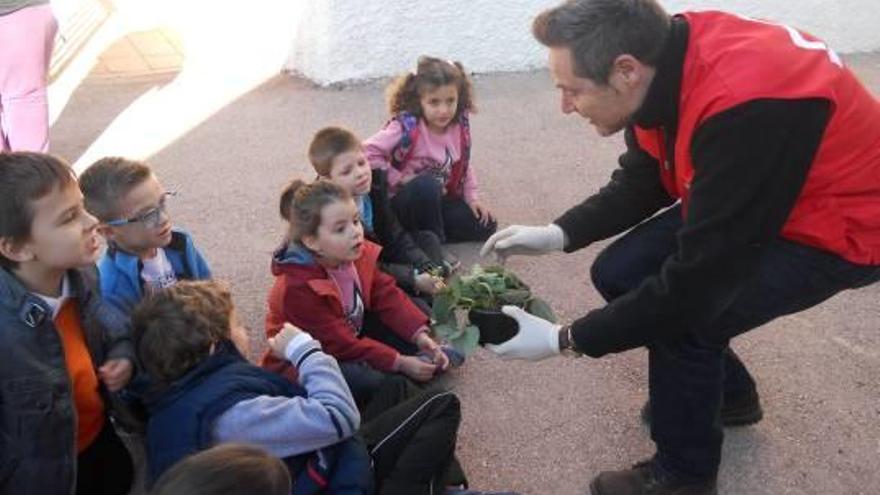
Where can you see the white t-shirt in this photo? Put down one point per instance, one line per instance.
(55, 303)
(158, 273)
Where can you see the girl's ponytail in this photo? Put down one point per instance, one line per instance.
(301, 204)
(285, 205)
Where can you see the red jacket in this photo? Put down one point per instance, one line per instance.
(732, 60)
(305, 295)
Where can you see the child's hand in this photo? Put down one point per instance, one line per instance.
(416, 369)
(429, 284)
(432, 348)
(115, 373)
(481, 212)
(279, 342)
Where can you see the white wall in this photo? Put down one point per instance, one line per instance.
(343, 40)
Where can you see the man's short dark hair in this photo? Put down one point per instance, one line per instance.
(107, 181)
(24, 178)
(599, 31)
(175, 327)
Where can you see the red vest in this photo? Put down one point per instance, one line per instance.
(731, 60)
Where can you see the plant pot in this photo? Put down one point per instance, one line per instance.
(495, 326)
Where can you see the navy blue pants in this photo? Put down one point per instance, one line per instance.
(690, 375)
(421, 205)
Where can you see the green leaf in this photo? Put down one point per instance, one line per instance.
(445, 331)
(516, 297)
(466, 303)
(495, 269)
(485, 289)
(514, 282)
(442, 310)
(468, 341)
(540, 309)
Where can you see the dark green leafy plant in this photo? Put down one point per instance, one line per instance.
(488, 289)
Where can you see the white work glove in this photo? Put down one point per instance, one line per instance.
(524, 239)
(537, 338)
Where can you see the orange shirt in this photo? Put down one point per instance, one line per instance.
(84, 379)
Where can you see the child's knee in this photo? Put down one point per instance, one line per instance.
(425, 188)
(448, 404)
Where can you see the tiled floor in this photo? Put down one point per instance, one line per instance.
(142, 53)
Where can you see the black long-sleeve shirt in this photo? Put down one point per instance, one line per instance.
(400, 254)
(750, 164)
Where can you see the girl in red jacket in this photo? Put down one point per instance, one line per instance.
(328, 283)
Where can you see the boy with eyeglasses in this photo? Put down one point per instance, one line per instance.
(144, 253)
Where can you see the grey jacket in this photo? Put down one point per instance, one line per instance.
(289, 426)
(37, 412)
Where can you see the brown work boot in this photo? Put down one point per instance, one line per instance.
(740, 410)
(645, 479)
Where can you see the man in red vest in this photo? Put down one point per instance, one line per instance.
(763, 151)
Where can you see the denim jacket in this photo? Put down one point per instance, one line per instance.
(37, 410)
(120, 271)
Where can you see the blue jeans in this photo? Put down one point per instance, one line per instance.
(690, 375)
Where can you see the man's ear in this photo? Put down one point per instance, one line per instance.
(16, 250)
(627, 72)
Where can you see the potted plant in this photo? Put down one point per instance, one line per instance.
(468, 313)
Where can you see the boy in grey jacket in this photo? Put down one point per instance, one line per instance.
(189, 342)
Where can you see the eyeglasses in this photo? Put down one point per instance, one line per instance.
(151, 218)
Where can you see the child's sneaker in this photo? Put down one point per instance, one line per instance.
(450, 261)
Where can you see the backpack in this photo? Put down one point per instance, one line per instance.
(405, 147)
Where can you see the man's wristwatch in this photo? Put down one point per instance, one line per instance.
(566, 342)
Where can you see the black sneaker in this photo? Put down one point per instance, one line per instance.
(741, 410)
(644, 479)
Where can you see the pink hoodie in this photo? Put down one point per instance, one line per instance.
(432, 154)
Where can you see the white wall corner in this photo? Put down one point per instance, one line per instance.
(348, 40)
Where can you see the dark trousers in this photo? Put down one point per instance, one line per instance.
(364, 381)
(421, 205)
(689, 376)
(104, 467)
(411, 435)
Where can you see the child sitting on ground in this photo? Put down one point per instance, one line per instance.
(425, 149)
(63, 349)
(327, 282)
(419, 262)
(144, 253)
(188, 339)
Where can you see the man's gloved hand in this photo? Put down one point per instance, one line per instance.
(524, 239)
(537, 338)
